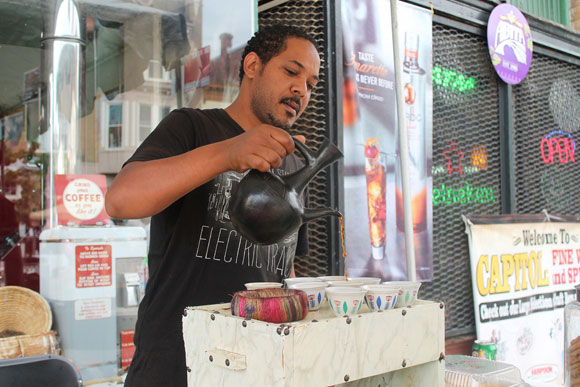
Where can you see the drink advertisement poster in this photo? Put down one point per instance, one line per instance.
(80, 200)
(374, 220)
(523, 270)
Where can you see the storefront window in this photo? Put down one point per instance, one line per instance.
(115, 125)
(83, 84)
(144, 121)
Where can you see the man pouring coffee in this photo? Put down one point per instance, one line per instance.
(182, 176)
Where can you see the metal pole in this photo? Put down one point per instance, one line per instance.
(333, 91)
(62, 62)
(2, 159)
(403, 145)
(178, 83)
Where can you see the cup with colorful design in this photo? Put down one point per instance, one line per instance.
(345, 300)
(295, 280)
(315, 292)
(332, 278)
(344, 283)
(408, 291)
(262, 285)
(380, 297)
(366, 280)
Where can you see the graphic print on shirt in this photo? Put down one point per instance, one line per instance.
(218, 200)
(219, 241)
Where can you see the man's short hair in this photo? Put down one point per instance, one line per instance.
(271, 41)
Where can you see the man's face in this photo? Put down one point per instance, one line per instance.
(281, 90)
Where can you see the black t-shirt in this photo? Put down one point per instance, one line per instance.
(196, 257)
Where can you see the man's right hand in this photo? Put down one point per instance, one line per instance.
(142, 189)
(261, 148)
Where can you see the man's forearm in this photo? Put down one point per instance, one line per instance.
(146, 188)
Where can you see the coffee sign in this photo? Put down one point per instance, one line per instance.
(510, 43)
(80, 199)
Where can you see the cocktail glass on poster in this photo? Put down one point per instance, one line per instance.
(376, 187)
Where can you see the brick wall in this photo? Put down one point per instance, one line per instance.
(575, 14)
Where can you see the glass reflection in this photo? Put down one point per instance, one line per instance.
(84, 83)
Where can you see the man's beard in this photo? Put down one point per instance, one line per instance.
(267, 117)
(278, 123)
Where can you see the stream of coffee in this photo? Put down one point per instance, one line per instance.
(343, 248)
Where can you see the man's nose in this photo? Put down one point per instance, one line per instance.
(299, 89)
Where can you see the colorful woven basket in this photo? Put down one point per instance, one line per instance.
(271, 305)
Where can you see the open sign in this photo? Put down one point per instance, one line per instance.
(562, 147)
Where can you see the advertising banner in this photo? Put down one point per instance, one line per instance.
(523, 275)
(374, 220)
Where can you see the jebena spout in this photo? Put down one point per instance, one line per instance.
(315, 213)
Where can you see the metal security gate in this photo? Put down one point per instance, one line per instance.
(470, 111)
(546, 133)
(545, 129)
(314, 124)
(466, 161)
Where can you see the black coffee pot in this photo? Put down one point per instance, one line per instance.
(266, 208)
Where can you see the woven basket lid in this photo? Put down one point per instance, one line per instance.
(24, 310)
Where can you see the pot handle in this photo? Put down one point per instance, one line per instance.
(306, 152)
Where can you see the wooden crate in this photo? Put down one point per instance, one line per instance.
(399, 347)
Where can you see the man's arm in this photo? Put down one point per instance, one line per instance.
(145, 188)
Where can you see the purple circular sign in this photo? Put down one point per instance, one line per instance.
(510, 43)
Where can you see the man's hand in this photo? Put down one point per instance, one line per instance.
(261, 148)
(145, 188)
(300, 138)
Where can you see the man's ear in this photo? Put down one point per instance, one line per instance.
(252, 65)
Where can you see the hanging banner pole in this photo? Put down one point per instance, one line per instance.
(403, 143)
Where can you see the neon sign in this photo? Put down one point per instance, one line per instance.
(453, 157)
(563, 147)
(479, 157)
(452, 79)
(462, 194)
(438, 170)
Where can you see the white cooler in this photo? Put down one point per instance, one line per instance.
(79, 278)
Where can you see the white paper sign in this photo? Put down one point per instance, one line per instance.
(93, 309)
